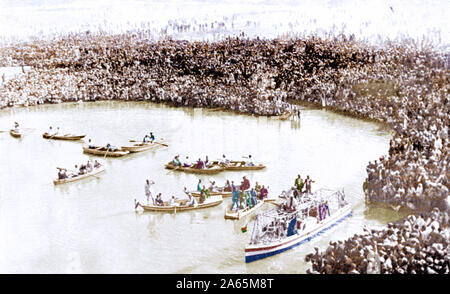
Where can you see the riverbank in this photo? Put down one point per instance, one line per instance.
(403, 84)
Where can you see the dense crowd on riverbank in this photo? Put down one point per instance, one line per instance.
(403, 84)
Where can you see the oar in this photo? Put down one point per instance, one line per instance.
(107, 150)
(161, 144)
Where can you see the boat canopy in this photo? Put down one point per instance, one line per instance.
(273, 225)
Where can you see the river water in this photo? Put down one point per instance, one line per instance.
(90, 226)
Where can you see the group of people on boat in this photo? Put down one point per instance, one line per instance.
(299, 184)
(53, 132)
(207, 163)
(243, 196)
(148, 138)
(64, 173)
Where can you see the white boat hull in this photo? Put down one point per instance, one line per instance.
(260, 251)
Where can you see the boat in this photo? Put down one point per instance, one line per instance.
(100, 150)
(224, 194)
(79, 177)
(209, 202)
(239, 165)
(139, 147)
(209, 170)
(15, 133)
(279, 229)
(283, 116)
(69, 137)
(238, 214)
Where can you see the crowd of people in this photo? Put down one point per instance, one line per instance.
(416, 245)
(404, 84)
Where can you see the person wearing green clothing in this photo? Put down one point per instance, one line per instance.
(205, 191)
(248, 200)
(199, 187)
(299, 183)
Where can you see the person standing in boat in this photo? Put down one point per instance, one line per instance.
(299, 183)
(16, 127)
(254, 197)
(264, 193)
(235, 197)
(149, 191)
(245, 185)
(308, 182)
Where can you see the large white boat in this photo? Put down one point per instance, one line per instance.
(294, 223)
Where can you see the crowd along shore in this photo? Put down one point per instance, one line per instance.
(404, 84)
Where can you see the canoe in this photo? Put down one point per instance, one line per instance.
(211, 170)
(240, 165)
(284, 116)
(209, 202)
(224, 194)
(63, 137)
(230, 214)
(79, 177)
(138, 147)
(15, 134)
(103, 151)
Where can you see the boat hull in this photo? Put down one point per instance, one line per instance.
(229, 214)
(15, 134)
(210, 202)
(96, 151)
(64, 137)
(212, 170)
(139, 147)
(253, 253)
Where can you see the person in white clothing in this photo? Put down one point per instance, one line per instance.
(149, 191)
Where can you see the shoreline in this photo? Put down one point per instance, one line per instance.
(386, 86)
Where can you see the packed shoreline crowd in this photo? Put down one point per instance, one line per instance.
(403, 84)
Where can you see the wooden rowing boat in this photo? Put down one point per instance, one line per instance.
(236, 165)
(15, 134)
(238, 214)
(105, 152)
(209, 202)
(224, 194)
(210, 170)
(139, 147)
(69, 137)
(79, 177)
(284, 116)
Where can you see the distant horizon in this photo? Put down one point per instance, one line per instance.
(214, 20)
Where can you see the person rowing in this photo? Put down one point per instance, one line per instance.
(187, 162)
(97, 164)
(159, 201)
(51, 131)
(151, 137)
(200, 164)
(249, 161)
(176, 161)
(227, 187)
(207, 162)
(224, 160)
(89, 166)
(191, 201)
(62, 174)
(146, 139)
(172, 201)
(16, 127)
